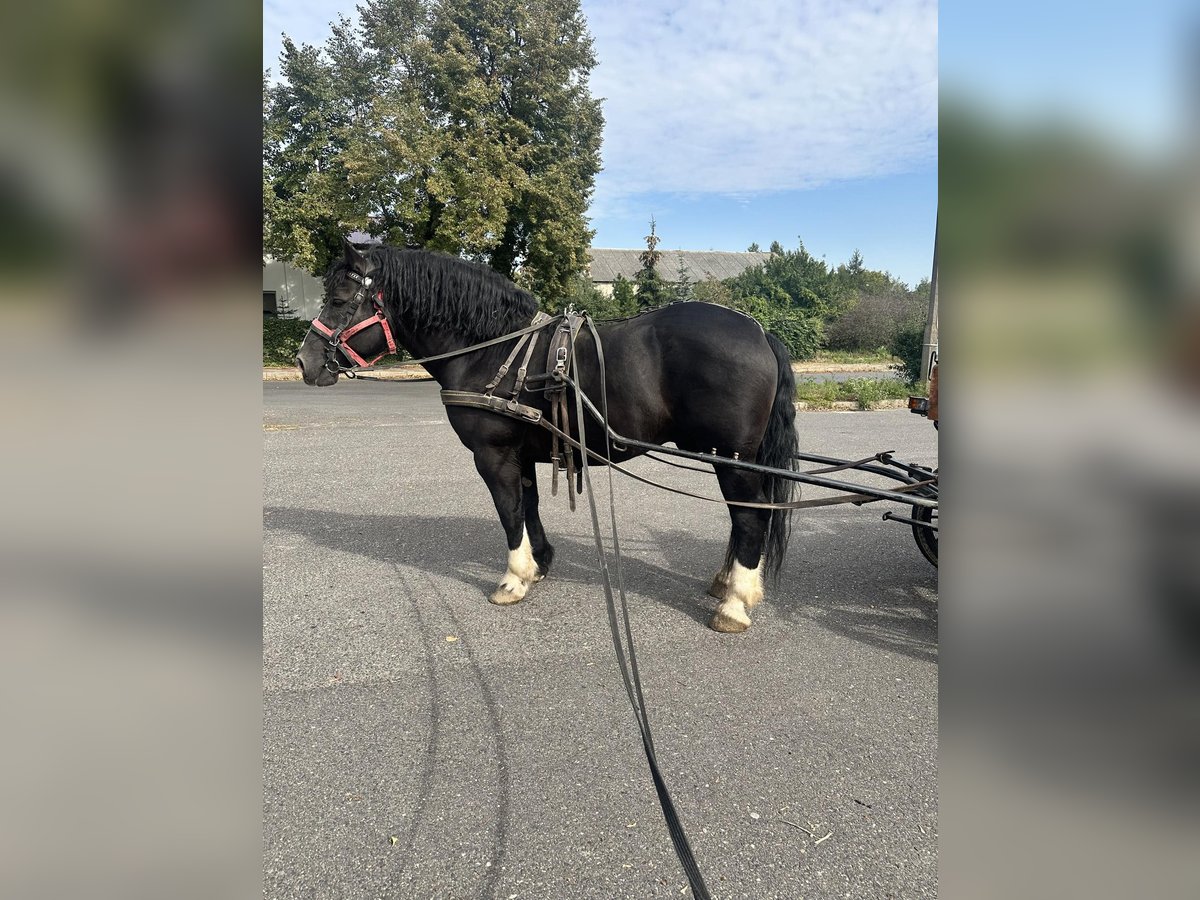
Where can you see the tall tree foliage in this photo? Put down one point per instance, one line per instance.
(459, 126)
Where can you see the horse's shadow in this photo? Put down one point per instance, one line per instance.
(898, 613)
(471, 550)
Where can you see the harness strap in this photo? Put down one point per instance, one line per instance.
(495, 404)
(490, 386)
(519, 384)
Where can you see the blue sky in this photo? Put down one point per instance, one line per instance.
(735, 121)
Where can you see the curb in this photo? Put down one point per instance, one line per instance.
(399, 373)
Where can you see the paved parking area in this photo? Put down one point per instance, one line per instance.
(420, 742)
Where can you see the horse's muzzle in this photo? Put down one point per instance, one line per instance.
(317, 376)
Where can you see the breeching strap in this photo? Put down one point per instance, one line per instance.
(628, 663)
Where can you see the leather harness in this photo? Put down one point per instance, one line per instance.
(557, 373)
(564, 446)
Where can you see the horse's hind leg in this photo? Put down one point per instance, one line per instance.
(501, 471)
(739, 584)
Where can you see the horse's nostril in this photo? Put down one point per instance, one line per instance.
(300, 365)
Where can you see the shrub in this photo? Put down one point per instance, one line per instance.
(866, 391)
(906, 346)
(801, 334)
(282, 339)
(873, 320)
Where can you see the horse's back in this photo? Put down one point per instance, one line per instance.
(693, 373)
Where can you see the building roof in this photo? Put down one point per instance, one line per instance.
(362, 239)
(607, 264)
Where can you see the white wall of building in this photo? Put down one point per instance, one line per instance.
(302, 291)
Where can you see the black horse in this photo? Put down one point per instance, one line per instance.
(702, 376)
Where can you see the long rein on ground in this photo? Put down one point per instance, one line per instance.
(620, 627)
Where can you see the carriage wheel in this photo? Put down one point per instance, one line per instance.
(926, 538)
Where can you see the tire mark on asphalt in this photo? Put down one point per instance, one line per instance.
(433, 747)
(425, 778)
(491, 880)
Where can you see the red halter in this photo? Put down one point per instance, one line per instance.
(338, 338)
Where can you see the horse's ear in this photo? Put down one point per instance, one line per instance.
(353, 255)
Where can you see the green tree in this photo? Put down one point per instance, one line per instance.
(463, 127)
(776, 248)
(712, 290)
(792, 294)
(683, 288)
(874, 306)
(303, 180)
(793, 279)
(754, 248)
(624, 297)
(652, 290)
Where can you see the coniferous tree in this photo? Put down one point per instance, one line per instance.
(652, 290)
(683, 282)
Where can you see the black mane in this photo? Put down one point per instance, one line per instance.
(427, 290)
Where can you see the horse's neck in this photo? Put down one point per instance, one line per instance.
(457, 372)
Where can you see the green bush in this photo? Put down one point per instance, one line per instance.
(906, 347)
(282, 339)
(801, 334)
(872, 319)
(867, 391)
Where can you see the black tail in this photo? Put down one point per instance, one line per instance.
(778, 450)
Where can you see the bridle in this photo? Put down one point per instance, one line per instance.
(337, 338)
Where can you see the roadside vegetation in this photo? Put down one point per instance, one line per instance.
(866, 393)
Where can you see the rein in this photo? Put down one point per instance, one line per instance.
(629, 667)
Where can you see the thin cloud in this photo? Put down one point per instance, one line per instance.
(304, 21)
(751, 96)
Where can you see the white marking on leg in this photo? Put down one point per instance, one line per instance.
(745, 584)
(743, 591)
(522, 571)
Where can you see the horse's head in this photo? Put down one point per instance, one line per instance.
(352, 329)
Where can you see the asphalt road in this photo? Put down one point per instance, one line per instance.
(422, 743)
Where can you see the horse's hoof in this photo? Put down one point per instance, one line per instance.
(730, 618)
(543, 564)
(503, 596)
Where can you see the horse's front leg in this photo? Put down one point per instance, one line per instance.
(543, 552)
(501, 471)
